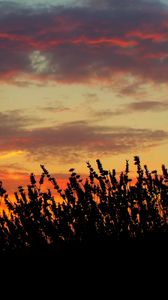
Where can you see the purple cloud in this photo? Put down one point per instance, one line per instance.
(133, 107)
(86, 43)
(69, 141)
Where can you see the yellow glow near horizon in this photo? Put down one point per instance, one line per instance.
(6, 155)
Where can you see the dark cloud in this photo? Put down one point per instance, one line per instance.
(148, 106)
(86, 43)
(128, 5)
(133, 107)
(14, 120)
(13, 127)
(133, 89)
(69, 141)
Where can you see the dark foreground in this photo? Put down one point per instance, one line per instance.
(105, 228)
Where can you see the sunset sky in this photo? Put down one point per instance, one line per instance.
(81, 80)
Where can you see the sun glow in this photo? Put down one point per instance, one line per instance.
(6, 155)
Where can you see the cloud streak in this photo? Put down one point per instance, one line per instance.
(133, 107)
(86, 43)
(69, 141)
(60, 108)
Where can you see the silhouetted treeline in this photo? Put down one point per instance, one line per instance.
(103, 209)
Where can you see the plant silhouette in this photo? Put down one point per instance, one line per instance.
(101, 209)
